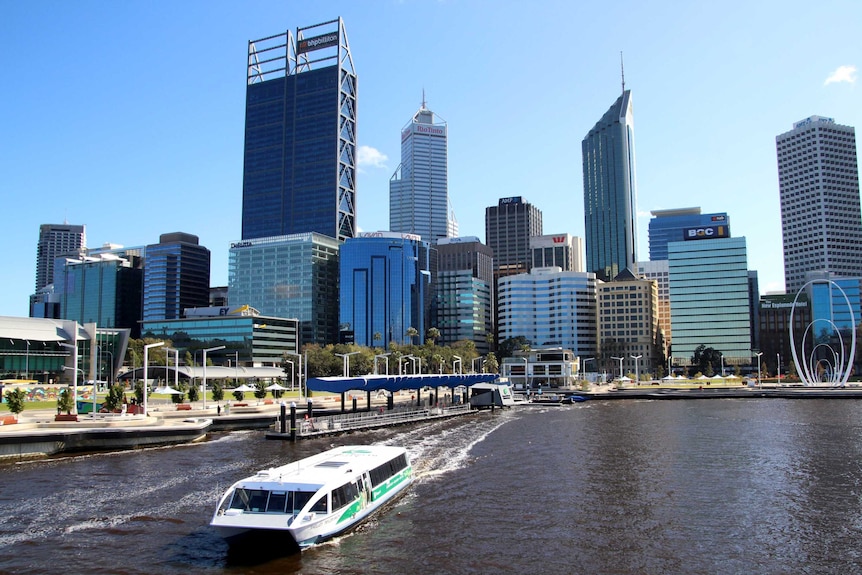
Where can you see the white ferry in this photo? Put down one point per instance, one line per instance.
(313, 499)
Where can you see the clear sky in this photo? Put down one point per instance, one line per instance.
(127, 116)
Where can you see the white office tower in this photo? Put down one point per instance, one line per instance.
(418, 191)
(818, 182)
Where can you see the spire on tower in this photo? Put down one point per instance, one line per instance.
(622, 72)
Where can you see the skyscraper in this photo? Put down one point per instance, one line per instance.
(558, 250)
(300, 135)
(418, 191)
(610, 191)
(818, 183)
(465, 277)
(670, 225)
(176, 276)
(56, 240)
(508, 228)
(386, 288)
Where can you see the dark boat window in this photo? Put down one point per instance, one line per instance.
(319, 505)
(300, 498)
(249, 499)
(344, 495)
(277, 499)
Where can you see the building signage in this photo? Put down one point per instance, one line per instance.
(719, 218)
(705, 233)
(391, 235)
(318, 42)
(513, 200)
(241, 245)
(559, 239)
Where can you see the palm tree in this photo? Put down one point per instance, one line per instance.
(412, 333)
(432, 335)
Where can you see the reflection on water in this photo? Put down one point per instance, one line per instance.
(623, 487)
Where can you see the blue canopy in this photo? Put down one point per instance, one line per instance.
(396, 382)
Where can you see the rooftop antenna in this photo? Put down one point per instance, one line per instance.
(423, 97)
(622, 72)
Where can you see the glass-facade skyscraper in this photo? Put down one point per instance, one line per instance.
(463, 305)
(386, 282)
(176, 276)
(299, 173)
(293, 276)
(610, 192)
(672, 225)
(709, 298)
(818, 183)
(418, 191)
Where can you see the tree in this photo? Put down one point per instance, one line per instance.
(114, 398)
(260, 389)
(412, 333)
(15, 400)
(507, 347)
(491, 365)
(432, 335)
(238, 395)
(194, 394)
(377, 337)
(705, 359)
(64, 401)
(218, 391)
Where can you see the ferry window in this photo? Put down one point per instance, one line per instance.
(319, 505)
(300, 498)
(344, 495)
(276, 502)
(249, 499)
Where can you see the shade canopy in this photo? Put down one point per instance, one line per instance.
(276, 387)
(244, 388)
(396, 382)
(167, 390)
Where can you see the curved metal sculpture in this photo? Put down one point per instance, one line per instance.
(829, 365)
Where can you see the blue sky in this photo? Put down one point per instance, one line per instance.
(128, 116)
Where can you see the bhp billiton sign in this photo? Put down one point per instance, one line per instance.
(705, 233)
(318, 42)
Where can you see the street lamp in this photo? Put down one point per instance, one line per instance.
(346, 358)
(722, 365)
(458, 359)
(236, 368)
(403, 358)
(292, 373)
(414, 359)
(384, 356)
(585, 366)
(473, 363)
(299, 360)
(526, 374)
(176, 367)
(621, 365)
(146, 361)
(758, 354)
(778, 368)
(204, 382)
(75, 372)
(637, 373)
(670, 359)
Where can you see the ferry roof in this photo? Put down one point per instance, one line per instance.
(397, 382)
(322, 468)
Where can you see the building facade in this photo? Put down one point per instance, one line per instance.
(508, 228)
(463, 308)
(610, 191)
(658, 272)
(292, 277)
(818, 183)
(176, 276)
(386, 288)
(249, 338)
(299, 173)
(709, 298)
(671, 225)
(550, 308)
(56, 240)
(775, 317)
(104, 290)
(557, 250)
(418, 191)
(628, 325)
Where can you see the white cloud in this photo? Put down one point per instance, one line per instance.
(373, 157)
(842, 74)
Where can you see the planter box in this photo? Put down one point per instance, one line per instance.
(65, 417)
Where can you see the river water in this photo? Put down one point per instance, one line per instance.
(603, 487)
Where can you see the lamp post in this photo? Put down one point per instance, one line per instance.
(384, 356)
(204, 381)
(473, 363)
(176, 367)
(758, 354)
(74, 349)
(236, 368)
(346, 360)
(458, 359)
(299, 360)
(670, 359)
(404, 358)
(292, 373)
(414, 359)
(526, 373)
(722, 365)
(585, 366)
(146, 361)
(621, 365)
(637, 373)
(778, 368)
(27, 361)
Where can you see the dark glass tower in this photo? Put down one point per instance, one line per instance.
(176, 276)
(610, 192)
(673, 226)
(300, 135)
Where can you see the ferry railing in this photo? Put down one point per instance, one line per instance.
(375, 418)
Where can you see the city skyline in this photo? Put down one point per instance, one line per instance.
(128, 139)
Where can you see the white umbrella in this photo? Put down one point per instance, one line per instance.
(167, 389)
(276, 387)
(244, 388)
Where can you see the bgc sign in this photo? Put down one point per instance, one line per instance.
(705, 233)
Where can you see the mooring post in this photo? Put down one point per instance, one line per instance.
(292, 421)
(283, 426)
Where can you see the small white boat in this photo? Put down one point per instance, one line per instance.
(313, 499)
